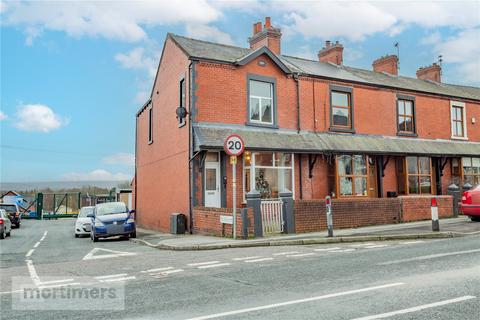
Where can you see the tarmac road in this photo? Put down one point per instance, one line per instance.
(423, 279)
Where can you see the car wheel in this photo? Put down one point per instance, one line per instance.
(18, 225)
(476, 219)
(8, 234)
(3, 234)
(76, 235)
(133, 235)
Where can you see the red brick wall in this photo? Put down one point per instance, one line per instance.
(347, 213)
(418, 207)
(352, 213)
(207, 221)
(162, 166)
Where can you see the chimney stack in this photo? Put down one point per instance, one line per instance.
(267, 36)
(431, 73)
(331, 53)
(388, 64)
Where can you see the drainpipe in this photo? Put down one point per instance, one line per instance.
(191, 89)
(297, 82)
(136, 164)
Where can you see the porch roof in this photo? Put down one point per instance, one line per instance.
(212, 137)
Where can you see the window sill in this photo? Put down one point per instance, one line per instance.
(261, 125)
(407, 134)
(459, 138)
(343, 130)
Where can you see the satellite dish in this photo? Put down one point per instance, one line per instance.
(181, 112)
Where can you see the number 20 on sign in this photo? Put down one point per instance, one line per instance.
(234, 147)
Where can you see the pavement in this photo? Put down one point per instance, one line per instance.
(449, 228)
(428, 279)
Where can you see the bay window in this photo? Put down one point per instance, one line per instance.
(268, 172)
(419, 175)
(352, 177)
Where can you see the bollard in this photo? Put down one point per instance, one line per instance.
(435, 222)
(328, 205)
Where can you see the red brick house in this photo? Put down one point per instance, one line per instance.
(379, 143)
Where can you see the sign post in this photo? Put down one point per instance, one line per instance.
(434, 207)
(328, 205)
(234, 147)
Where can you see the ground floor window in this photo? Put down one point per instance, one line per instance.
(471, 170)
(268, 172)
(352, 176)
(418, 175)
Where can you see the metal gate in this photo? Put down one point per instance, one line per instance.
(272, 215)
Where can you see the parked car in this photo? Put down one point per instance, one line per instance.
(5, 224)
(13, 212)
(112, 219)
(83, 225)
(471, 204)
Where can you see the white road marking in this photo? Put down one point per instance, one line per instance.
(118, 279)
(44, 235)
(362, 244)
(411, 242)
(259, 260)
(214, 265)
(202, 263)
(29, 253)
(56, 281)
(36, 244)
(287, 303)
(285, 253)
(157, 269)
(377, 246)
(59, 285)
(172, 271)
(430, 256)
(10, 292)
(113, 254)
(33, 272)
(342, 250)
(163, 274)
(301, 255)
(327, 249)
(417, 308)
(245, 258)
(111, 276)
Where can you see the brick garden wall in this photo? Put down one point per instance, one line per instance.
(207, 221)
(352, 213)
(418, 208)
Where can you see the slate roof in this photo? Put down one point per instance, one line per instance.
(210, 136)
(231, 54)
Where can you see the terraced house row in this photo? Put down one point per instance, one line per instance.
(377, 142)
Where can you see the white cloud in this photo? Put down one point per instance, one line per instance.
(127, 159)
(3, 116)
(141, 97)
(120, 20)
(95, 175)
(463, 51)
(206, 32)
(38, 117)
(138, 59)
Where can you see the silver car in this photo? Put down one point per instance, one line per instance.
(83, 225)
(5, 224)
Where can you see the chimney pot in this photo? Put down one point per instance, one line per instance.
(331, 53)
(432, 73)
(388, 64)
(267, 23)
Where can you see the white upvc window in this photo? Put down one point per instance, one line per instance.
(458, 120)
(269, 173)
(261, 102)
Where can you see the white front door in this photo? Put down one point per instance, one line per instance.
(212, 184)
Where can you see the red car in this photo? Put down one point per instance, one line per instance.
(471, 204)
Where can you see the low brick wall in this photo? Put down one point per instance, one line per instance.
(206, 221)
(418, 208)
(310, 215)
(352, 213)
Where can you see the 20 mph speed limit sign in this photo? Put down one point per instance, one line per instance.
(234, 145)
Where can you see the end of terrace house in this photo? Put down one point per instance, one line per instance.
(379, 143)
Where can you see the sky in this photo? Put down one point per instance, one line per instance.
(74, 73)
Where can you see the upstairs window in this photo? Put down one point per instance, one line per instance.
(182, 100)
(261, 102)
(406, 120)
(341, 110)
(457, 116)
(150, 125)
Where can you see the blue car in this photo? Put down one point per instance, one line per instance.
(112, 219)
